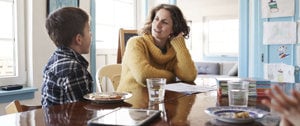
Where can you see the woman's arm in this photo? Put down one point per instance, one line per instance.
(185, 68)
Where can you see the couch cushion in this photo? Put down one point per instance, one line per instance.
(208, 68)
(225, 67)
(233, 71)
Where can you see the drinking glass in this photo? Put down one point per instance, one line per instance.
(238, 93)
(156, 89)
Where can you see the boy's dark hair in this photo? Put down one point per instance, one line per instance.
(65, 23)
(179, 22)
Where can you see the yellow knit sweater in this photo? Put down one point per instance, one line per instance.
(142, 59)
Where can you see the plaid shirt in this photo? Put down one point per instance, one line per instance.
(65, 78)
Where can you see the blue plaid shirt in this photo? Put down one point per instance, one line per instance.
(65, 78)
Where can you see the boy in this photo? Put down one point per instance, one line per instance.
(65, 77)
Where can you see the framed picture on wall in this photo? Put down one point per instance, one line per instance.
(55, 4)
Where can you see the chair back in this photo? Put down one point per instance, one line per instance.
(112, 72)
(15, 107)
(124, 35)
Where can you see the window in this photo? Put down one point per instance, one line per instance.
(111, 15)
(221, 36)
(12, 57)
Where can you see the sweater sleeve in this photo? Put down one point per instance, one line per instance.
(185, 69)
(137, 59)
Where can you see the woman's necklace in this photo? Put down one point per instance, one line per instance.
(163, 50)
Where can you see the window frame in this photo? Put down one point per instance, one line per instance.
(19, 37)
(206, 41)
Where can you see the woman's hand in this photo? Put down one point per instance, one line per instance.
(287, 106)
(174, 37)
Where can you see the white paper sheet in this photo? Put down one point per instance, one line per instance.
(277, 8)
(279, 33)
(298, 29)
(188, 88)
(279, 72)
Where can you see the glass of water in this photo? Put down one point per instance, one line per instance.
(238, 93)
(156, 89)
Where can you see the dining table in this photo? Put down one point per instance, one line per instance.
(178, 109)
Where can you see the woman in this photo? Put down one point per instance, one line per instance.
(159, 52)
(287, 106)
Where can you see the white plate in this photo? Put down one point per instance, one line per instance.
(226, 113)
(108, 97)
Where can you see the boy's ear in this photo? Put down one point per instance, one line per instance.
(78, 39)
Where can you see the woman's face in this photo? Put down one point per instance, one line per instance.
(162, 25)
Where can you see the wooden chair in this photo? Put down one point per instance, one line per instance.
(15, 107)
(112, 72)
(124, 35)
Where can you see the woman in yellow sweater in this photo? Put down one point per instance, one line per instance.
(159, 52)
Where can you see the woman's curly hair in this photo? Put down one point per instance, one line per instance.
(179, 22)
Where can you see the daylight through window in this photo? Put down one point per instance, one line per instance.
(12, 57)
(111, 15)
(221, 36)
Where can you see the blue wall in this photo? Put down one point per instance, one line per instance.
(269, 52)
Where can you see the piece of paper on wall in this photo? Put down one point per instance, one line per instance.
(277, 8)
(279, 72)
(298, 33)
(279, 33)
(298, 55)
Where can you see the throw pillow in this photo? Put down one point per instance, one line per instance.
(233, 71)
(208, 68)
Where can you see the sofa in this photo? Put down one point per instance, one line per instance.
(215, 69)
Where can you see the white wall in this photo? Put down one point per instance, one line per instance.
(39, 46)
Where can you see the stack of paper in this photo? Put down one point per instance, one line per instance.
(187, 88)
